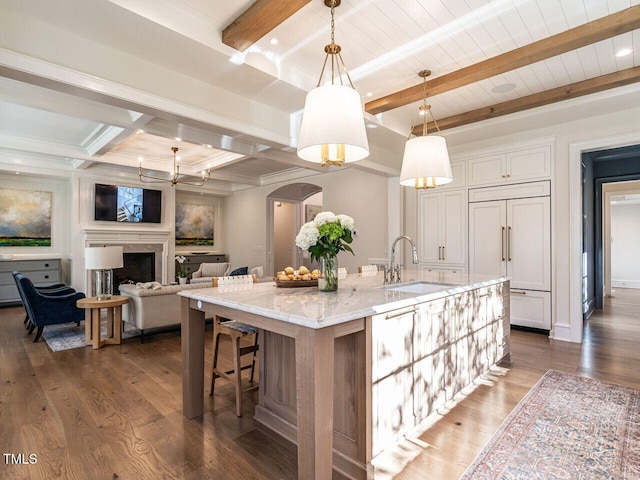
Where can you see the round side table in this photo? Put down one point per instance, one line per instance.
(92, 307)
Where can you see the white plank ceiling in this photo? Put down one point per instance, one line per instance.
(384, 44)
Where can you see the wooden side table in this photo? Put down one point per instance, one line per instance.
(92, 307)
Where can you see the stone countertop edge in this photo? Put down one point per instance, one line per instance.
(357, 297)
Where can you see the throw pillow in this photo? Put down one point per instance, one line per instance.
(239, 271)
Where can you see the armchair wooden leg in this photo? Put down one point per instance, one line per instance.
(31, 329)
(38, 334)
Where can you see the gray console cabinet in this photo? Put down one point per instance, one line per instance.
(41, 272)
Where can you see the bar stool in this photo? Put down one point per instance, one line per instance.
(235, 331)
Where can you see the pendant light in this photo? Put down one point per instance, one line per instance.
(425, 163)
(333, 130)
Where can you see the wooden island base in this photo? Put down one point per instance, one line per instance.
(346, 375)
(389, 377)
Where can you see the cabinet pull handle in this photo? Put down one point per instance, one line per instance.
(509, 244)
(443, 253)
(502, 244)
(46, 276)
(399, 313)
(46, 264)
(439, 252)
(518, 292)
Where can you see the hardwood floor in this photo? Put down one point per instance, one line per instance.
(116, 412)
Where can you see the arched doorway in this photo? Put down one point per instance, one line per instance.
(287, 209)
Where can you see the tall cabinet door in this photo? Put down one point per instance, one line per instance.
(487, 238)
(442, 226)
(529, 243)
(430, 212)
(452, 227)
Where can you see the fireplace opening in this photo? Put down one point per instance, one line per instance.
(138, 267)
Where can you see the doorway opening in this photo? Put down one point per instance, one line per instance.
(288, 207)
(605, 175)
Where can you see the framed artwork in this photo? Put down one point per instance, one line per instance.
(25, 218)
(195, 224)
(311, 211)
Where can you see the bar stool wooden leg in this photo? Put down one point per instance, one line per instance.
(216, 344)
(238, 374)
(253, 361)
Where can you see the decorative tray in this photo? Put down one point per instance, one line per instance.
(295, 283)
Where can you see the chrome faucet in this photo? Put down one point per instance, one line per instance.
(392, 271)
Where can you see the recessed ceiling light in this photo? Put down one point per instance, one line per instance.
(178, 139)
(504, 88)
(274, 41)
(17, 173)
(624, 52)
(369, 94)
(140, 131)
(372, 125)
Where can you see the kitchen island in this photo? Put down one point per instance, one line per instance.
(346, 375)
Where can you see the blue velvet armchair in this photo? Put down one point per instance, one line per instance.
(56, 289)
(45, 309)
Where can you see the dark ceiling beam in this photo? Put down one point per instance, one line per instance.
(601, 29)
(579, 89)
(258, 20)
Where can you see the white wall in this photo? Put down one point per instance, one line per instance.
(625, 236)
(358, 194)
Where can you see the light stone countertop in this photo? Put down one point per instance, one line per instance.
(358, 296)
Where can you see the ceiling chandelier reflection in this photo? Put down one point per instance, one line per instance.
(425, 163)
(175, 176)
(332, 130)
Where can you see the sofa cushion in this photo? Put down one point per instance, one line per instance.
(133, 291)
(240, 271)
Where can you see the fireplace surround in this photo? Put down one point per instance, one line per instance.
(136, 241)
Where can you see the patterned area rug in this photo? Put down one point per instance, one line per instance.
(65, 336)
(566, 427)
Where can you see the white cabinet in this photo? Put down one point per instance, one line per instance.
(442, 223)
(514, 166)
(512, 238)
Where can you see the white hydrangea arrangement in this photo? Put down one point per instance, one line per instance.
(326, 234)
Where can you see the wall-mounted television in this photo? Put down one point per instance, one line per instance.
(116, 203)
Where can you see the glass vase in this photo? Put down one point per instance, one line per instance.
(328, 278)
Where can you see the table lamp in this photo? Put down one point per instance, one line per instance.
(101, 260)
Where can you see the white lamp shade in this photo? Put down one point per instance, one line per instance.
(426, 157)
(333, 115)
(101, 258)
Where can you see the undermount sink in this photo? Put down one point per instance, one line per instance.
(419, 287)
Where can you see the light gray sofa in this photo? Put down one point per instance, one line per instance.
(153, 308)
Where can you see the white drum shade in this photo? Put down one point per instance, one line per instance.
(426, 157)
(101, 258)
(333, 116)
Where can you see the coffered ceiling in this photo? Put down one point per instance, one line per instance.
(95, 84)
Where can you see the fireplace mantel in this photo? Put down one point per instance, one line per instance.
(134, 240)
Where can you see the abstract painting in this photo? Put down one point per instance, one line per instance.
(194, 224)
(25, 218)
